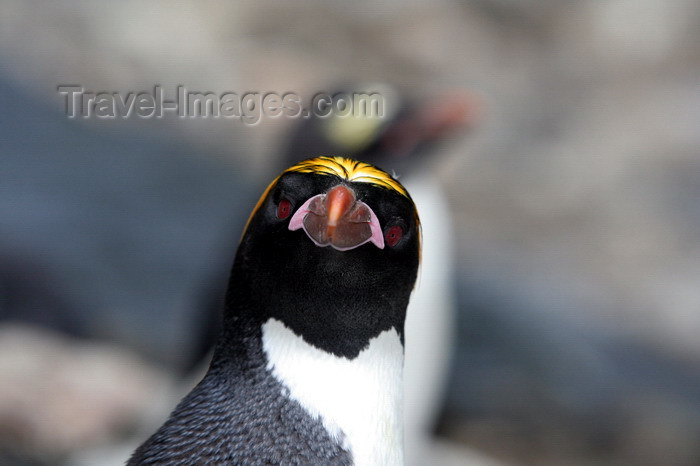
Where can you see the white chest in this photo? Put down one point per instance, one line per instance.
(359, 401)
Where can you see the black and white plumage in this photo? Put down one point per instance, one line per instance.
(309, 364)
(239, 413)
(407, 140)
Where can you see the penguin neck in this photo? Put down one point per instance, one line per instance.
(337, 318)
(358, 400)
(339, 357)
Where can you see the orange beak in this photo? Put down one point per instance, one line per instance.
(339, 200)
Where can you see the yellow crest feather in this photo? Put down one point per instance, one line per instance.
(343, 167)
(350, 170)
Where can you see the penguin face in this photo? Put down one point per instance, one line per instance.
(333, 256)
(340, 220)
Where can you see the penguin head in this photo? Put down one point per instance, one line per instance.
(331, 250)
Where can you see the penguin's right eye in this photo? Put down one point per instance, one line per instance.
(284, 208)
(393, 235)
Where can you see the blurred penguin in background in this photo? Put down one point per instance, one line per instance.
(404, 138)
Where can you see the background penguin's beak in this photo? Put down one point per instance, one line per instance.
(339, 220)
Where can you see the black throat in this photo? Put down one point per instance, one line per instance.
(325, 296)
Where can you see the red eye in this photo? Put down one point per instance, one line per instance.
(393, 235)
(284, 208)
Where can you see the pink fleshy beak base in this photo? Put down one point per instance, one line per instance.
(336, 219)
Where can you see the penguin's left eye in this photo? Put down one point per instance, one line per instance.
(393, 235)
(284, 208)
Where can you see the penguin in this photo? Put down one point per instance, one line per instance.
(308, 366)
(403, 138)
(408, 140)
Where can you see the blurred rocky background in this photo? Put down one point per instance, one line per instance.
(575, 199)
